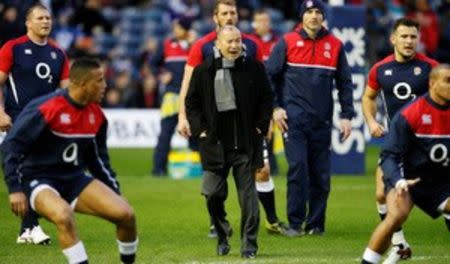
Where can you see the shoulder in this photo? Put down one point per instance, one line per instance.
(413, 111)
(211, 36)
(428, 60)
(382, 62)
(10, 44)
(53, 45)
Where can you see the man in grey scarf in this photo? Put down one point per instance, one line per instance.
(229, 107)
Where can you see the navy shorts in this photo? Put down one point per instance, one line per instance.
(428, 196)
(68, 189)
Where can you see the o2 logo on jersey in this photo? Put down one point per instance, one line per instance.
(439, 154)
(43, 71)
(403, 91)
(70, 154)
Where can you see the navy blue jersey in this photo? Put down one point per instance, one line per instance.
(203, 48)
(34, 70)
(54, 137)
(171, 57)
(399, 82)
(418, 144)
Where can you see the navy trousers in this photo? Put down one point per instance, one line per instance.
(307, 148)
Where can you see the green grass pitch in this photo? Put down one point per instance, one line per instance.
(173, 223)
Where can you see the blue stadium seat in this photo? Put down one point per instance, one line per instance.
(110, 14)
(276, 15)
(132, 14)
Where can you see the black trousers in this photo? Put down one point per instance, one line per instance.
(215, 190)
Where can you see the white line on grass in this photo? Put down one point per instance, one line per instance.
(310, 260)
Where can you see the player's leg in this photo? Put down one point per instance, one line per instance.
(379, 193)
(47, 202)
(99, 200)
(296, 146)
(319, 164)
(400, 247)
(446, 212)
(162, 149)
(399, 207)
(266, 193)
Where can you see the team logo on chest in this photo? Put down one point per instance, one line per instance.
(28, 51)
(388, 72)
(426, 119)
(300, 43)
(53, 55)
(417, 70)
(64, 118)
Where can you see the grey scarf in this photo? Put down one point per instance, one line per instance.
(223, 85)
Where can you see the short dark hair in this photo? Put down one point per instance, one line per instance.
(223, 2)
(33, 7)
(407, 22)
(81, 67)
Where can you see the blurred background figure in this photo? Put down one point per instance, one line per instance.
(168, 63)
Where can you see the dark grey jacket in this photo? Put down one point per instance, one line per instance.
(254, 105)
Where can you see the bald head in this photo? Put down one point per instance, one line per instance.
(229, 42)
(440, 84)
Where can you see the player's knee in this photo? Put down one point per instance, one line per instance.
(126, 215)
(396, 218)
(64, 218)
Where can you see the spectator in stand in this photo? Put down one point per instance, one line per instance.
(90, 18)
(429, 26)
(10, 26)
(184, 8)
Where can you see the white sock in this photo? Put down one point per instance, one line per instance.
(447, 216)
(398, 238)
(266, 186)
(382, 208)
(371, 256)
(76, 253)
(128, 248)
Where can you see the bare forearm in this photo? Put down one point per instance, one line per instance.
(369, 107)
(184, 89)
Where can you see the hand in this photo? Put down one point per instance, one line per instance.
(5, 121)
(280, 117)
(19, 204)
(183, 127)
(375, 129)
(402, 186)
(345, 129)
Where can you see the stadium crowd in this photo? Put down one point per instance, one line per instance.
(127, 34)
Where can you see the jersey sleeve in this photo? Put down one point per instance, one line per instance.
(26, 130)
(195, 57)
(396, 144)
(372, 81)
(6, 57)
(98, 161)
(275, 67)
(345, 86)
